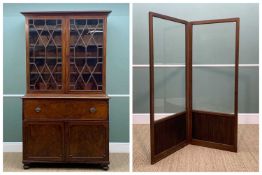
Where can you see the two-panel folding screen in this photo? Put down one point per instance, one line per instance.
(193, 83)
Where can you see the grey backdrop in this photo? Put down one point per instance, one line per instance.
(249, 51)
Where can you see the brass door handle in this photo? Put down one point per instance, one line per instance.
(37, 109)
(92, 109)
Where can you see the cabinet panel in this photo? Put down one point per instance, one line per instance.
(86, 54)
(65, 109)
(45, 49)
(43, 141)
(87, 141)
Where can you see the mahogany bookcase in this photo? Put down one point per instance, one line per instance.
(190, 126)
(65, 109)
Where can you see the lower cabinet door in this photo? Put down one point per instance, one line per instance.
(87, 141)
(43, 141)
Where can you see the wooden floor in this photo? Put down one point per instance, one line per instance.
(13, 163)
(197, 158)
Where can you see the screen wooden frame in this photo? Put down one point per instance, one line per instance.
(188, 101)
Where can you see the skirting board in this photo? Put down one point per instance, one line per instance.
(243, 118)
(114, 147)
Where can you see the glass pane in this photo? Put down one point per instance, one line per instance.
(214, 43)
(86, 57)
(248, 90)
(213, 89)
(169, 82)
(169, 42)
(169, 91)
(45, 54)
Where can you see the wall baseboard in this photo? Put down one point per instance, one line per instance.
(243, 118)
(114, 147)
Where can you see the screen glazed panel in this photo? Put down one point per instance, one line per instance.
(45, 54)
(214, 43)
(86, 54)
(167, 85)
(169, 42)
(214, 120)
(213, 87)
(169, 101)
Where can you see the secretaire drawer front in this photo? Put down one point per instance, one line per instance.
(65, 109)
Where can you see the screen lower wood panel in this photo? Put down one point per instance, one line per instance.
(169, 132)
(213, 127)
